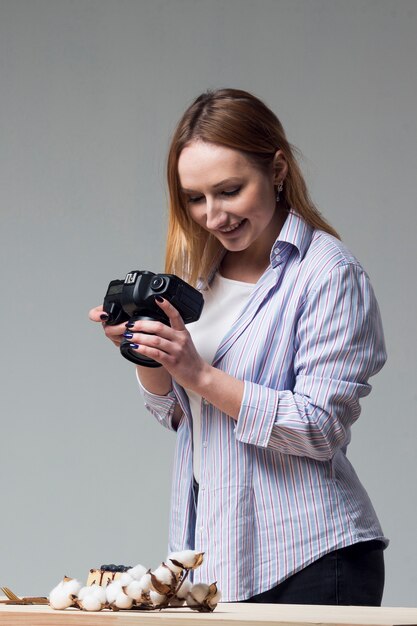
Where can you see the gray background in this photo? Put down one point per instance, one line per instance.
(90, 92)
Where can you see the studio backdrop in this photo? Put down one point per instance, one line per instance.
(91, 91)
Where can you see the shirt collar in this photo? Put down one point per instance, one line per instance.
(295, 232)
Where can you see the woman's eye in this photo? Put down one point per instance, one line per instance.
(195, 199)
(228, 193)
(232, 192)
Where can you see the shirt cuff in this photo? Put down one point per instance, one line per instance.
(144, 391)
(257, 414)
(162, 407)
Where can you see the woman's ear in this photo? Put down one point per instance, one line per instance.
(280, 167)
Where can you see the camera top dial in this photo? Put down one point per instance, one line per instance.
(158, 283)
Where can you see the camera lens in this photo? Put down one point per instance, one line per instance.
(158, 283)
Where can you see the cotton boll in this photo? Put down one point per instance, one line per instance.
(98, 592)
(163, 580)
(123, 601)
(198, 594)
(72, 585)
(94, 590)
(157, 598)
(134, 590)
(137, 572)
(192, 602)
(83, 592)
(112, 591)
(203, 597)
(164, 574)
(146, 582)
(176, 569)
(91, 603)
(213, 602)
(60, 599)
(125, 579)
(214, 596)
(184, 590)
(61, 596)
(187, 559)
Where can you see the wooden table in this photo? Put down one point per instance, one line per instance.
(224, 615)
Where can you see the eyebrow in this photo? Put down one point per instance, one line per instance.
(233, 179)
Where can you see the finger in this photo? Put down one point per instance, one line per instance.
(175, 319)
(96, 313)
(114, 331)
(153, 353)
(151, 341)
(151, 328)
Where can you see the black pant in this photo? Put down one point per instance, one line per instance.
(350, 576)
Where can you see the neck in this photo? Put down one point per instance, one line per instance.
(235, 267)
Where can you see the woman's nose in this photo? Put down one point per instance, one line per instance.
(215, 216)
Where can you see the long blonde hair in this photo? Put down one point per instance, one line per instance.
(235, 119)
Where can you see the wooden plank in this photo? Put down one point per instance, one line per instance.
(224, 615)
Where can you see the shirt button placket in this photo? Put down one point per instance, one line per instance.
(202, 488)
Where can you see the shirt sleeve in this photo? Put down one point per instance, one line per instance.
(161, 407)
(339, 344)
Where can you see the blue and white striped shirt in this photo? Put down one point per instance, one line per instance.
(276, 489)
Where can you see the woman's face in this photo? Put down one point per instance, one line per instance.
(227, 195)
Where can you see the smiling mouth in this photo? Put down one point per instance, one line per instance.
(232, 228)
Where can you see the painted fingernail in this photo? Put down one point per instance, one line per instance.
(134, 346)
(130, 324)
(128, 335)
(159, 298)
(104, 317)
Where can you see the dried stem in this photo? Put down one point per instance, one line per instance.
(181, 581)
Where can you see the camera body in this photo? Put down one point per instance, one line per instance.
(133, 299)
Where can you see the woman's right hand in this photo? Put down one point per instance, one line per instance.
(114, 333)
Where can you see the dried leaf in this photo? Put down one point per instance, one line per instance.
(159, 586)
(212, 591)
(198, 559)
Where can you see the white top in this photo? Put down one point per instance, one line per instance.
(223, 301)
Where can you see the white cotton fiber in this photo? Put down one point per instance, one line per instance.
(61, 595)
(91, 603)
(112, 591)
(137, 572)
(157, 598)
(123, 601)
(190, 559)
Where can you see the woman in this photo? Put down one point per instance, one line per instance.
(263, 389)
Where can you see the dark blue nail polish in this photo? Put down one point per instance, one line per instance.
(134, 346)
(130, 324)
(159, 298)
(128, 335)
(104, 317)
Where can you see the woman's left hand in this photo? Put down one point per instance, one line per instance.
(171, 346)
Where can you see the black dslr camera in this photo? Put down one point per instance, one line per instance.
(133, 299)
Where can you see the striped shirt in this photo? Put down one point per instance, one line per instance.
(223, 301)
(276, 489)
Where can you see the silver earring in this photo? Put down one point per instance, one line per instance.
(279, 189)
